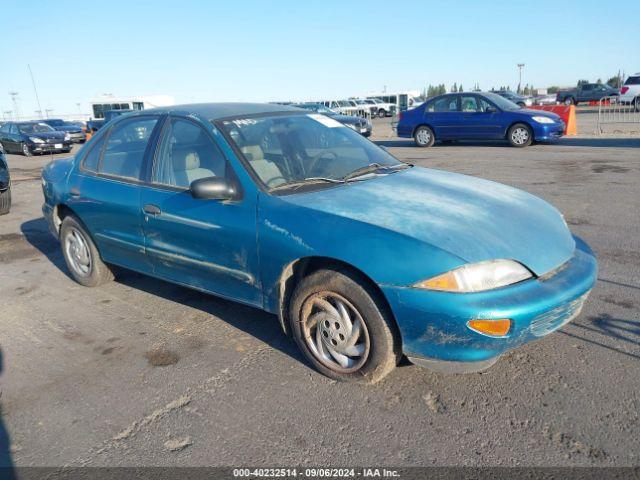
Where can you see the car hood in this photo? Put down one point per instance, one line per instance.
(47, 135)
(347, 119)
(468, 217)
(68, 128)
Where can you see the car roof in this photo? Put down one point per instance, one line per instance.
(216, 111)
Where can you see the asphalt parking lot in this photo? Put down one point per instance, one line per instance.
(142, 372)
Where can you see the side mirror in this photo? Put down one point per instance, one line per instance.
(212, 188)
(490, 110)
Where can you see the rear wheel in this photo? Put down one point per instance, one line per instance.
(81, 255)
(519, 135)
(636, 104)
(5, 201)
(382, 113)
(569, 101)
(26, 151)
(423, 136)
(343, 328)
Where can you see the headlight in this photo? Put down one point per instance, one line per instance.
(36, 140)
(67, 136)
(477, 277)
(543, 120)
(351, 126)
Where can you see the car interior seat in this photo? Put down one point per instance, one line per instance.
(186, 167)
(268, 171)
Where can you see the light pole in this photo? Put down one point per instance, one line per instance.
(520, 67)
(14, 99)
(78, 105)
(47, 111)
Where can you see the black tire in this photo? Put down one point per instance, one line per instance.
(66, 150)
(5, 201)
(26, 151)
(569, 101)
(382, 113)
(379, 331)
(97, 272)
(521, 104)
(423, 136)
(636, 104)
(520, 135)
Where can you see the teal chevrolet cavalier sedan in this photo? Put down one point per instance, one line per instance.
(363, 258)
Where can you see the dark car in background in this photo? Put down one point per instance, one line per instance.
(359, 124)
(75, 130)
(477, 116)
(586, 92)
(515, 98)
(33, 137)
(5, 185)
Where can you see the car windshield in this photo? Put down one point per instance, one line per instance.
(501, 102)
(35, 128)
(344, 103)
(288, 152)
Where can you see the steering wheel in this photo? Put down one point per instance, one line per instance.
(313, 160)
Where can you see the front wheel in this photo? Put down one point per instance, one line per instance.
(424, 136)
(519, 135)
(343, 328)
(636, 104)
(81, 255)
(569, 101)
(5, 201)
(26, 151)
(382, 113)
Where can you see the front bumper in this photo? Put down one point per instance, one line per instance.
(433, 324)
(548, 131)
(50, 147)
(77, 137)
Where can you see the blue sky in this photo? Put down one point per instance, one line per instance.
(196, 50)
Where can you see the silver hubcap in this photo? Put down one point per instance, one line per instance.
(520, 136)
(335, 332)
(423, 136)
(77, 252)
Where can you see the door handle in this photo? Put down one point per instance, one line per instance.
(74, 192)
(151, 209)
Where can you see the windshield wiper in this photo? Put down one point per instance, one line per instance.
(373, 167)
(307, 181)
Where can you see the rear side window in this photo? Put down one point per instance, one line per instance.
(92, 159)
(125, 147)
(444, 104)
(633, 80)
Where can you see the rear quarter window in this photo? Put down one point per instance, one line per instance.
(633, 80)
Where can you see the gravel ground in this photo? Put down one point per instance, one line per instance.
(142, 372)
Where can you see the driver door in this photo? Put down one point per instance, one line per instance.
(206, 244)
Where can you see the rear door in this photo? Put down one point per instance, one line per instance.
(444, 116)
(105, 192)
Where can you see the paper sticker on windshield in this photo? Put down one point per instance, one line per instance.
(326, 121)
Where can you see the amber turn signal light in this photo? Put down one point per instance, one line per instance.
(494, 328)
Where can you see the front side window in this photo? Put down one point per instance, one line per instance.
(292, 149)
(187, 153)
(469, 103)
(126, 144)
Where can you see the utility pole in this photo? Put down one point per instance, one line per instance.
(47, 111)
(14, 96)
(520, 67)
(33, 82)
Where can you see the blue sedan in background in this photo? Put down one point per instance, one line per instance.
(477, 116)
(362, 257)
